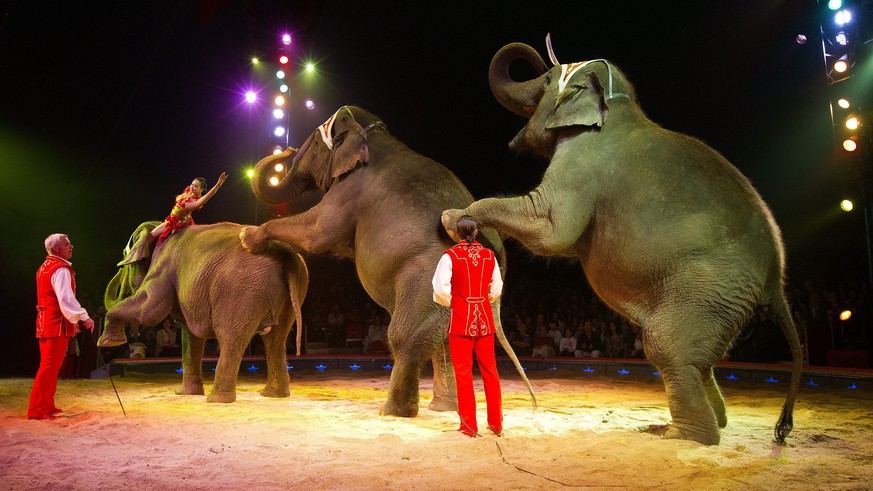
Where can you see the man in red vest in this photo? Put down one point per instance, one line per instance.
(467, 279)
(57, 316)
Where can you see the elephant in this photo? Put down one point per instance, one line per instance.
(203, 277)
(669, 233)
(380, 206)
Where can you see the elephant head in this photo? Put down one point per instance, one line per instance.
(331, 151)
(133, 268)
(571, 97)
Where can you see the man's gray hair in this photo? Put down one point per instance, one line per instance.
(53, 241)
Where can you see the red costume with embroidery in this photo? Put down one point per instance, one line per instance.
(176, 220)
(53, 331)
(471, 329)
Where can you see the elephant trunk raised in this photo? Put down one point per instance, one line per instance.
(288, 187)
(521, 98)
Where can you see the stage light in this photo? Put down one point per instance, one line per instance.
(843, 17)
(279, 100)
(286, 39)
(283, 59)
(283, 88)
(279, 131)
(847, 205)
(801, 39)
(841, 66)
(279, 167)
(310, 67)
(309, 104)
(850, 145)
(843, 103)
(277, 150)
(845, 315)
(278, 113)
(835, 4)
(250, 173)
(280, 75)
(274, 181)
(841, 38)
(255, 60)
(852, 123)
(251, 97)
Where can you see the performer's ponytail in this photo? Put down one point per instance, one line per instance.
(467, 228)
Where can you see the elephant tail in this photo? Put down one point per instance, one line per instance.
(501, 336)
(782, 314)
(297, 277)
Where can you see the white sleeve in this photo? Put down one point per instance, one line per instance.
(442, 282)
(70, 307)
(496, 284)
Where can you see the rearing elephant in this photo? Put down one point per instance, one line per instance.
(381, 208)
(669, 233)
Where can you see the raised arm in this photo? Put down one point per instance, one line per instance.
(203, 199)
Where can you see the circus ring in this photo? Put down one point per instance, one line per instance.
(589, 431)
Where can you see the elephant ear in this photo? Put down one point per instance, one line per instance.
(581, 103)
(350, 145)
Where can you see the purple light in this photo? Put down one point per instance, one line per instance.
(251, 96)
(286, 39)
(310, 104)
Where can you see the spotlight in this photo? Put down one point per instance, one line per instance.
(841, 38)
(847, 205)
(280, 74)
(286, 39)
(841, 66)
(278, 113)
(801, 39)
(310, 67)
(310, 104)
(843, 103)
(279, 131)
(850, 145)
(277, 150)
(852, 123)
(835, 4)
(274, 181)
(251, 97)
(283, 88)
(279, 167)
(845, 315)
(283, 59)
(843, 17)
(279, 100)
(250, 173)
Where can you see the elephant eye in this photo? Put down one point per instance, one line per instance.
(338, 139)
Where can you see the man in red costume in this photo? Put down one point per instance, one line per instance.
(57, 316)
(467, 279)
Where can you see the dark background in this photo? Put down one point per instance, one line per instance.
(108, 109)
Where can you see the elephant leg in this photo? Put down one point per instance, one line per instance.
(148, 306)
(716, 399)
(227, 369)
(415, 333)
(679, 343)
(278, 380)
(192, 364)
(445, 392)
(310, 231)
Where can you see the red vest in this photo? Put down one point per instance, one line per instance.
(472, 267)
(50, 322)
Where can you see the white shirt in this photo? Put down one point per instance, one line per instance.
(63, 286)
(442, 282)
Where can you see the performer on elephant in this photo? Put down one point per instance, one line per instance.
(57, 316)
(192, 198)
(467, 279)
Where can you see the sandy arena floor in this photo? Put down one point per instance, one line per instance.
(328, 435)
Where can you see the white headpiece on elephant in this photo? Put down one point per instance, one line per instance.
(326, 129)
(568, 70)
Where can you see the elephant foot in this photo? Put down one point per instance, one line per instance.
(403, 410)
(274, 392)
(698, 435)
(251, 240)
(443, 404)
(190, 391)
(112, 336)
(223, 397)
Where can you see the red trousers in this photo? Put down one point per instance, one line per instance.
(461, 349)
(51, 357)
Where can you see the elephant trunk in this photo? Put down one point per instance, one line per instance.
(519, 97)
(288, 187)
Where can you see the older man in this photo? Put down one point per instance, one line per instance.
(57, 316)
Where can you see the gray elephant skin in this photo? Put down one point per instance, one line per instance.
(669, 233)
(203, 277)
(381, 207)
